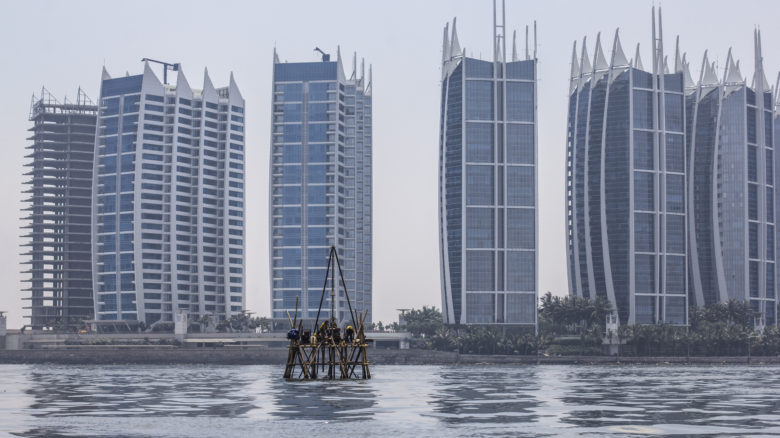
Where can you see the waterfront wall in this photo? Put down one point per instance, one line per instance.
(168, 355)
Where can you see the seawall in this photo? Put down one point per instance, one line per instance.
(105, 355)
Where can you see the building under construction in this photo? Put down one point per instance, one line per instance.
(58, 221)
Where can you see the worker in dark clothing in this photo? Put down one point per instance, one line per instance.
(349, 334)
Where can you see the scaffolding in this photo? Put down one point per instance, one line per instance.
(58, 221)
(325, 351)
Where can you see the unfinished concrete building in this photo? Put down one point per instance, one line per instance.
(58, 211)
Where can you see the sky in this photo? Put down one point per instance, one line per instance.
(64, 45)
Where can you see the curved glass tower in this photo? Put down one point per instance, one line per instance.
(487, 185)
(625, 183)
(732, 199)
(168, 200)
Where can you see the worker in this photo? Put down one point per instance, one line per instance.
(292, 334)
(313, 338)
(349, 333)
(306, 337)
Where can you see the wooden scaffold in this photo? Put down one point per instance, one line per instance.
(324, 351)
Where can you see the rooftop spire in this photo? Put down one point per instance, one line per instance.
(514, 45)
(276, 56)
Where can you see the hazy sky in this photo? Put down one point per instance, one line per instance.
(63, 45)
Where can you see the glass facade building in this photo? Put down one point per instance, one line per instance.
(732, 199)
(320, 188)
(59, 205)
(168, 200)
(626, 184)
(487, 186)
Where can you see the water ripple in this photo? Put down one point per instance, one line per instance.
(194, 401)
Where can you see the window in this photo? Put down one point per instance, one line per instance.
(479, 185)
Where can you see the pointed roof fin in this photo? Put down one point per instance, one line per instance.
(585, 67)
(527, 54)
(575, 65)
(731, 74)
(514, 45)
(678, 63)
(666, 65)
(759, 77)
(618, 57)
(599, 61)
(638, 59)
(445, 45)
(454, 44)
(686, 70)
(708, 75)
(104, 74)
(276, 56)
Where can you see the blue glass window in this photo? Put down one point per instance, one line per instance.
(479, 185)
(644, 273)
(520, 271)
(479, 142)
(479, 100)
(520, 188)
(316, 194)
(643, 109)
(643, 150)
(644, 232)
(643, 191)
(520, 228)
(292, 92)
(519, 144)
(291, 174)
(479, 227)
(291, 215)
(292, 133)
(479, 271)
(675, 153)
(318, 132)
(293, 112)
(291, 195)
(291, 236)
(291, 153)
(520, 101)
(291, 257)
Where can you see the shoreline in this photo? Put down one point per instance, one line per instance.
(277, 356)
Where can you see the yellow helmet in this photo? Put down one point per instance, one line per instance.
(349, 327)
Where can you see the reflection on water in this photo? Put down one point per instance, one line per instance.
(320, 400)
(193, 401)
(486, 395)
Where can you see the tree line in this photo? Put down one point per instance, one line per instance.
(572, 325)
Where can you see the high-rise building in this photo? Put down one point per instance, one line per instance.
(168, 200)
(60, 189)
(320, 191)
(731, 199)
(487, 184)
(626, 183)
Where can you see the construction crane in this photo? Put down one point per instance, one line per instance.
(166, 66)
(325, 56)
